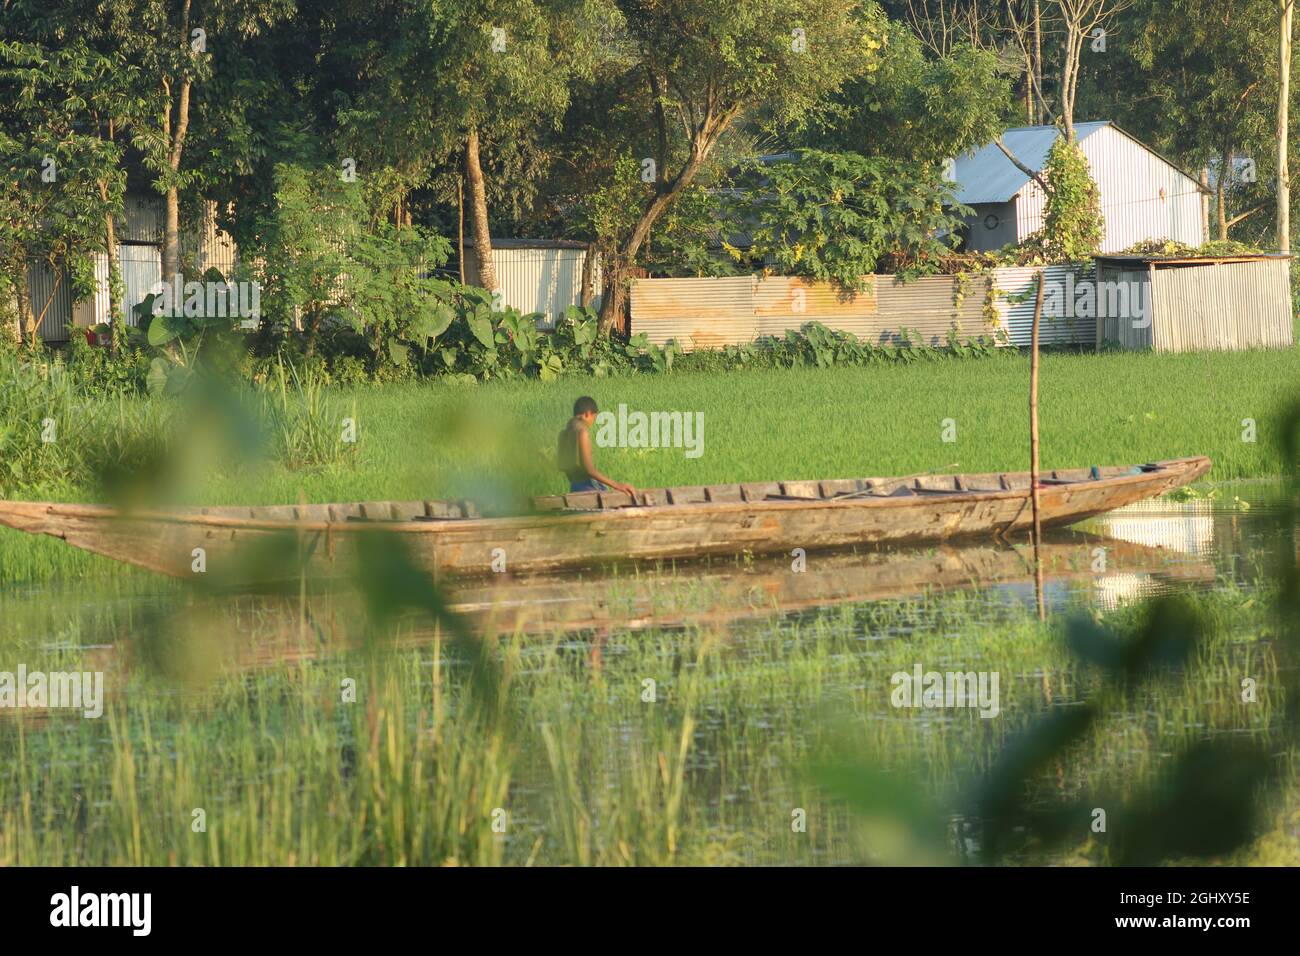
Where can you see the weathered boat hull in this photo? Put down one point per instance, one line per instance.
(594, 530)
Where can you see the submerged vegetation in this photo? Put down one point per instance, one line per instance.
(699, 746)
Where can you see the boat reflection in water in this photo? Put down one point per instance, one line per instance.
(1078, 568)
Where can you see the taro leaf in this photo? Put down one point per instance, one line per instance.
(481, 325)
(475, 298)
(551, 368)
(584, 332)
(398, 352)
(164, 328)
(432, 322)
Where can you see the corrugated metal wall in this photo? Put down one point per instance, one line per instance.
(1122, 330)
(144, 219)
(1131, 179)
(140, 256)
(546, 280)
(207, 247)
(141, 271)
(42, 283)
(1018, 296)
(710, 313)
(1232, 305)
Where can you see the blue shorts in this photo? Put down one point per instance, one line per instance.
(591, 484)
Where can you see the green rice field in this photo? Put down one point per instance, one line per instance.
(313, 728)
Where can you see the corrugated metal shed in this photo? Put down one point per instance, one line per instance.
(1017, 298)
(140, 257)
(141, 272)
(1127, 333)
(538, 275)
(1206, 304)
(1143, 195)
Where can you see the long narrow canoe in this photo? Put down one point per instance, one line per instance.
(592, 529)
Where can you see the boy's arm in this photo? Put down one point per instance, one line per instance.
(589, 466)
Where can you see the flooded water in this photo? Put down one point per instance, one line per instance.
(680, 707)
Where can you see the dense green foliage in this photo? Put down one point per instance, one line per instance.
(1073, 227)
(834, 216)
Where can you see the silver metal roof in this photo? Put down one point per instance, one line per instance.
(987, 176)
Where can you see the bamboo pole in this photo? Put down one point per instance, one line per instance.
(1033, 446)
(1283, 125)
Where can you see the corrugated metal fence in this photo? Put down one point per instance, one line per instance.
(711, 313)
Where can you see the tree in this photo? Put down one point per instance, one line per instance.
(168, 41)
(703, 64)
(61, 178)
(1080, 23)
(503, 73)
(1198, 78)
(906, 103)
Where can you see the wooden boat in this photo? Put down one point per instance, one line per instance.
(592, 529)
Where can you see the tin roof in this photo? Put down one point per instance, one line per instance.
(1191, 260)
(987, 176)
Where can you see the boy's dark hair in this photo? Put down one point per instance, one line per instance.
(584, 405)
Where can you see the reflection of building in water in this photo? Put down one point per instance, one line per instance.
(1186, 527)
(1109, 591)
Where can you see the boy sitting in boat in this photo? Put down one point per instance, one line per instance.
(574, 452)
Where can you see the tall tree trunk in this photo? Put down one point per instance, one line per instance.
(22, 299)
(588, 276)
(478, 217)
(618, 266)
(1031, 111)
(1283, 109)
(114, 274)
(175, 137)
(1222, 212)
(460, 225)
(1205, 203)
(171, 249)
(115, 318)
(1037, 78)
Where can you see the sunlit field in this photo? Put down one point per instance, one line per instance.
(421, 441)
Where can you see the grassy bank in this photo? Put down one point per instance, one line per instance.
(433, 440)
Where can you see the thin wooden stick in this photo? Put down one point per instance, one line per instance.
(1033, 446)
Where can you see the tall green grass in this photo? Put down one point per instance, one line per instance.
(579, 765)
